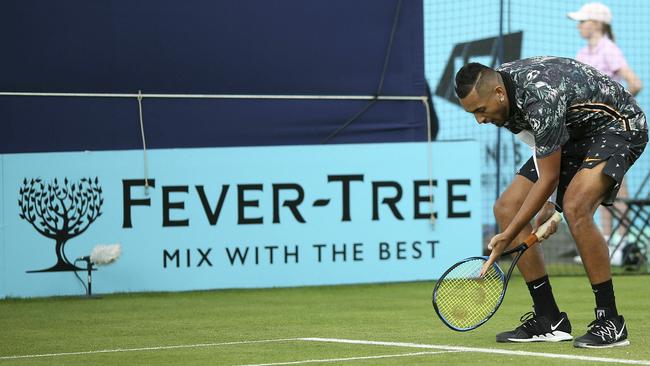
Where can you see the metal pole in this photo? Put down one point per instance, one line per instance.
(89, 267)
(498, 144)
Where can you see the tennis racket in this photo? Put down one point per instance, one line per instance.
(464, 300)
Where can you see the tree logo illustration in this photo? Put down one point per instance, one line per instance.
(60, 212)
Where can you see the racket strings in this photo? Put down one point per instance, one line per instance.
(464, 299)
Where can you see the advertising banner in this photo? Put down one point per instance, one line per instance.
(216, 218)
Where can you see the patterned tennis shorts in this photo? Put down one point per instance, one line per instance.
(620, 149)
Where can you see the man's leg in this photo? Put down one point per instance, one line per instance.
(585, 192)
(548, 324)
(583, 196)
(531, 263)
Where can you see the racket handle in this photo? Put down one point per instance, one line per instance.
(539, 233)
(536, 236)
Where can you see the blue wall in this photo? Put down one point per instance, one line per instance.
(333, 47)
(366, 47)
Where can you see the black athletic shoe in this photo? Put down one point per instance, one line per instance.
(539, 328)
(604, 332)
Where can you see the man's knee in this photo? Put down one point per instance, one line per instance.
(576, 211)
(505, 207)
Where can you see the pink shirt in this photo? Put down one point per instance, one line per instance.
(606, 57)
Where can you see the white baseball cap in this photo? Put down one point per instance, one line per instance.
(592, 11)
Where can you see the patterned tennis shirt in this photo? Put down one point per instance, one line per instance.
(558, 99)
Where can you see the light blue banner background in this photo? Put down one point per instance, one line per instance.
(140, 268)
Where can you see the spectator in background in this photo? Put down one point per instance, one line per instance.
(595, 25)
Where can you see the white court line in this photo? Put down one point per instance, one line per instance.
(349, 341)
(348, 358)
(482, 350)
(157, 348)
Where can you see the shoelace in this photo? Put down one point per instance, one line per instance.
(529, 320)
(526, 317)
(603, 328)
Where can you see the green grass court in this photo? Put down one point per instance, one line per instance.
(218, 327)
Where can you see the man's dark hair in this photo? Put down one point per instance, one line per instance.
(467, 78)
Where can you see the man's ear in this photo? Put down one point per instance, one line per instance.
(500, 93)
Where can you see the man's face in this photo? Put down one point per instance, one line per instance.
(489, 108)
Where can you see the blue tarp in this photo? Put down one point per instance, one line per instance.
(333, 47)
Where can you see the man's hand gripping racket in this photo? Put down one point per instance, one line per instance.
(471, 291)
(544, 230)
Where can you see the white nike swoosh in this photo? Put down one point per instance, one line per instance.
(538, 286)
(554, 327)
(618, 335)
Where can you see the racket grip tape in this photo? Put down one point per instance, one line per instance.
(538, 235)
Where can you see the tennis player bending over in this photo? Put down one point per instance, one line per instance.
(587, 131)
